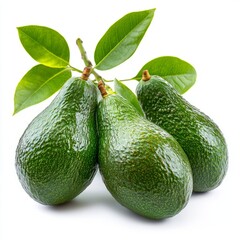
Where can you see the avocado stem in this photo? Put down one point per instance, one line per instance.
(102, 88)
(85, 59)
(79, 43)
(145, 75)
(86, 73)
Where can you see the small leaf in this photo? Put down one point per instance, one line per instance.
(126, 93)
(45, 45)
(177, 72)
(38, 84)
(122, 39)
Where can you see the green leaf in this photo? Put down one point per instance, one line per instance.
(177, 72)
(126, 93)
(45, 45)
(122, 39)
(38, 84)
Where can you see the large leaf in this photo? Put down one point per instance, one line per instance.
(122, 39)
(177, 72)
(126, 93)
(45, 45)
(38, 84)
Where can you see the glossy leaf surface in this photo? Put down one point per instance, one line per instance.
(122, 39)
(45, 45)
(38, 84)
(177, 72)
(126, 93)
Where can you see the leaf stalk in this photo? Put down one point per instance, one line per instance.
(85, 59)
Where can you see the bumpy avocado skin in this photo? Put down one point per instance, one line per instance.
(142, 166)
(199, 136)
(56, 157)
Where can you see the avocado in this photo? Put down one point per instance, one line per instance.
(56, 157)
(199, 136)
(142, 166)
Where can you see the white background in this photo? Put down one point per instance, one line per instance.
(204, 33)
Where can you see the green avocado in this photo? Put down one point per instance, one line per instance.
(56, 157)
(199, 136)
(142, 166)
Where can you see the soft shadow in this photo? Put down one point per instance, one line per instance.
(200, 194)
(139, 218)
(104, 199)
(96, 196)
(83, 201)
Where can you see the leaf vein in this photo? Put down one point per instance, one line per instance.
(41, 86)
(47, 50)
(115, 47)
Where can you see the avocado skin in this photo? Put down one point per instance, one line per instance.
(199, 136)
(142, 166)
(56, 157)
